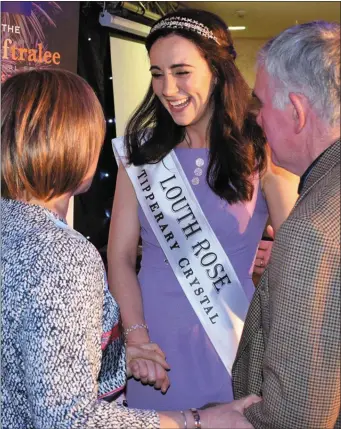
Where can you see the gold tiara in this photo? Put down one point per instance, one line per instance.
(183, 23)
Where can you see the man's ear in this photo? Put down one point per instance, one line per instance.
(299, 111)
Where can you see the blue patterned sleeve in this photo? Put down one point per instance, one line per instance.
(61, 343)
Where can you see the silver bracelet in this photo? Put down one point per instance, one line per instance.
(185, 420)
(134, 327)
(196, 416)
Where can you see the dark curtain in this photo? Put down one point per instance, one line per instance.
(93, 209)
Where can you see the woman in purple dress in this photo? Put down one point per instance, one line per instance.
(198, 108)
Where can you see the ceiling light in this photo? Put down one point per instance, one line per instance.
(237, 28)
(122, 24)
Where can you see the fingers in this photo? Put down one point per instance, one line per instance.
(162, 380)
(133, 369)
(154, 347)
(241, 404)
(147, 363)
(259, 266)
(259, 270)
(263, 256)
(157, 376)
(261, 253)
(263, 246)
(154, 357)
(270, 231)
(148, 352)
(160, 376)
(143, 369)
(268, 252)
(149, 373)
(165, 384)
(259, 262)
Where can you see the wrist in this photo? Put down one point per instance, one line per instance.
(136, 340)
(135, 327)
(190, 421)
(136, 334)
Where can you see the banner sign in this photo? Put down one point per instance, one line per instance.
(38, 35)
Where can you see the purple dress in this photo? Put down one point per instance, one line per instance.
(197, 374)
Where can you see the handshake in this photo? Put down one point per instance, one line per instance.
(147, 362)
(228, 416)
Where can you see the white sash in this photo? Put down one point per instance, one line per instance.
(192, 249)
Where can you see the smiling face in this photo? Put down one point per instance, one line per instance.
(182, 80)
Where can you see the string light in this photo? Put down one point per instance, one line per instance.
(110, 121)
(103, 174)
(89, 39)
(107, 213)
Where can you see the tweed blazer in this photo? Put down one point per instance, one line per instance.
(289, 352)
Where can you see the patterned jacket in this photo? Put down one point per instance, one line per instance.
(289, 352)
(61, 349)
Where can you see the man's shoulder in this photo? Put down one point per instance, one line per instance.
(319, 209)
(312, 230)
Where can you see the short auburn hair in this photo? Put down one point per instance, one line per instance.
(52, 128)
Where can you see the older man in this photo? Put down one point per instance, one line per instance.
(290, 349)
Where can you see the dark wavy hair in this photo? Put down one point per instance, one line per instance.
(236, 143)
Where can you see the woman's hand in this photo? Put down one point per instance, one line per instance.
(264, 252)
(147, 362)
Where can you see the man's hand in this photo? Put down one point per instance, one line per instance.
(229, 416)
(147, 362)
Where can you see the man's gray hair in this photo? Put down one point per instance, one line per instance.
(306, 59)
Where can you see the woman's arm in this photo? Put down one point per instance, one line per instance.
(60, 342)
(122, 252)
(280, 189)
